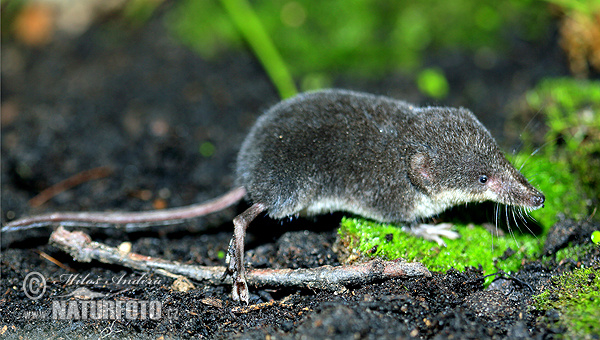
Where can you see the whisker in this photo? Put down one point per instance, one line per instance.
(509, 228)
(529, 229)
(512, 212)
(522, 213)
(496, 219)
(536, 151)
(520, 145)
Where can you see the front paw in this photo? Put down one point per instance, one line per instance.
(434, 232)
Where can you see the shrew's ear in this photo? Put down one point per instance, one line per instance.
(421, 170)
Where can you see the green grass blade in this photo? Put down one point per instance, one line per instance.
(255, 34)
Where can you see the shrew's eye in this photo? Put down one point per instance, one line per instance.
(483, 179)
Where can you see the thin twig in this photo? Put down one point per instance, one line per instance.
(75, 180)
(83, 249)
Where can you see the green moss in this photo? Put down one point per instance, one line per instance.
(474, 248)
(573, 253)
(571, 109)
(562, 188)
(575, 296)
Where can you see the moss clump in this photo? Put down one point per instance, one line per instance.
(571, 109)
(560, 125)
(575, 296)
(562, 188)
(474, 248)
(573, 253)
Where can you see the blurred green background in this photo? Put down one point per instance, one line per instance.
(318, 39)
(451, 52)
(310, 43)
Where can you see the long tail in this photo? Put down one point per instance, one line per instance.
(130, 219)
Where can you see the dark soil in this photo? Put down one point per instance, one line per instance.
(141, 104)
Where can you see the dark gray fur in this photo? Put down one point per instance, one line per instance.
(374, 156)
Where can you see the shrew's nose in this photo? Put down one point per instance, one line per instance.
(538, 200)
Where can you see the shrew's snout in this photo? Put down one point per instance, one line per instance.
(517, 191)
(526, 195)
